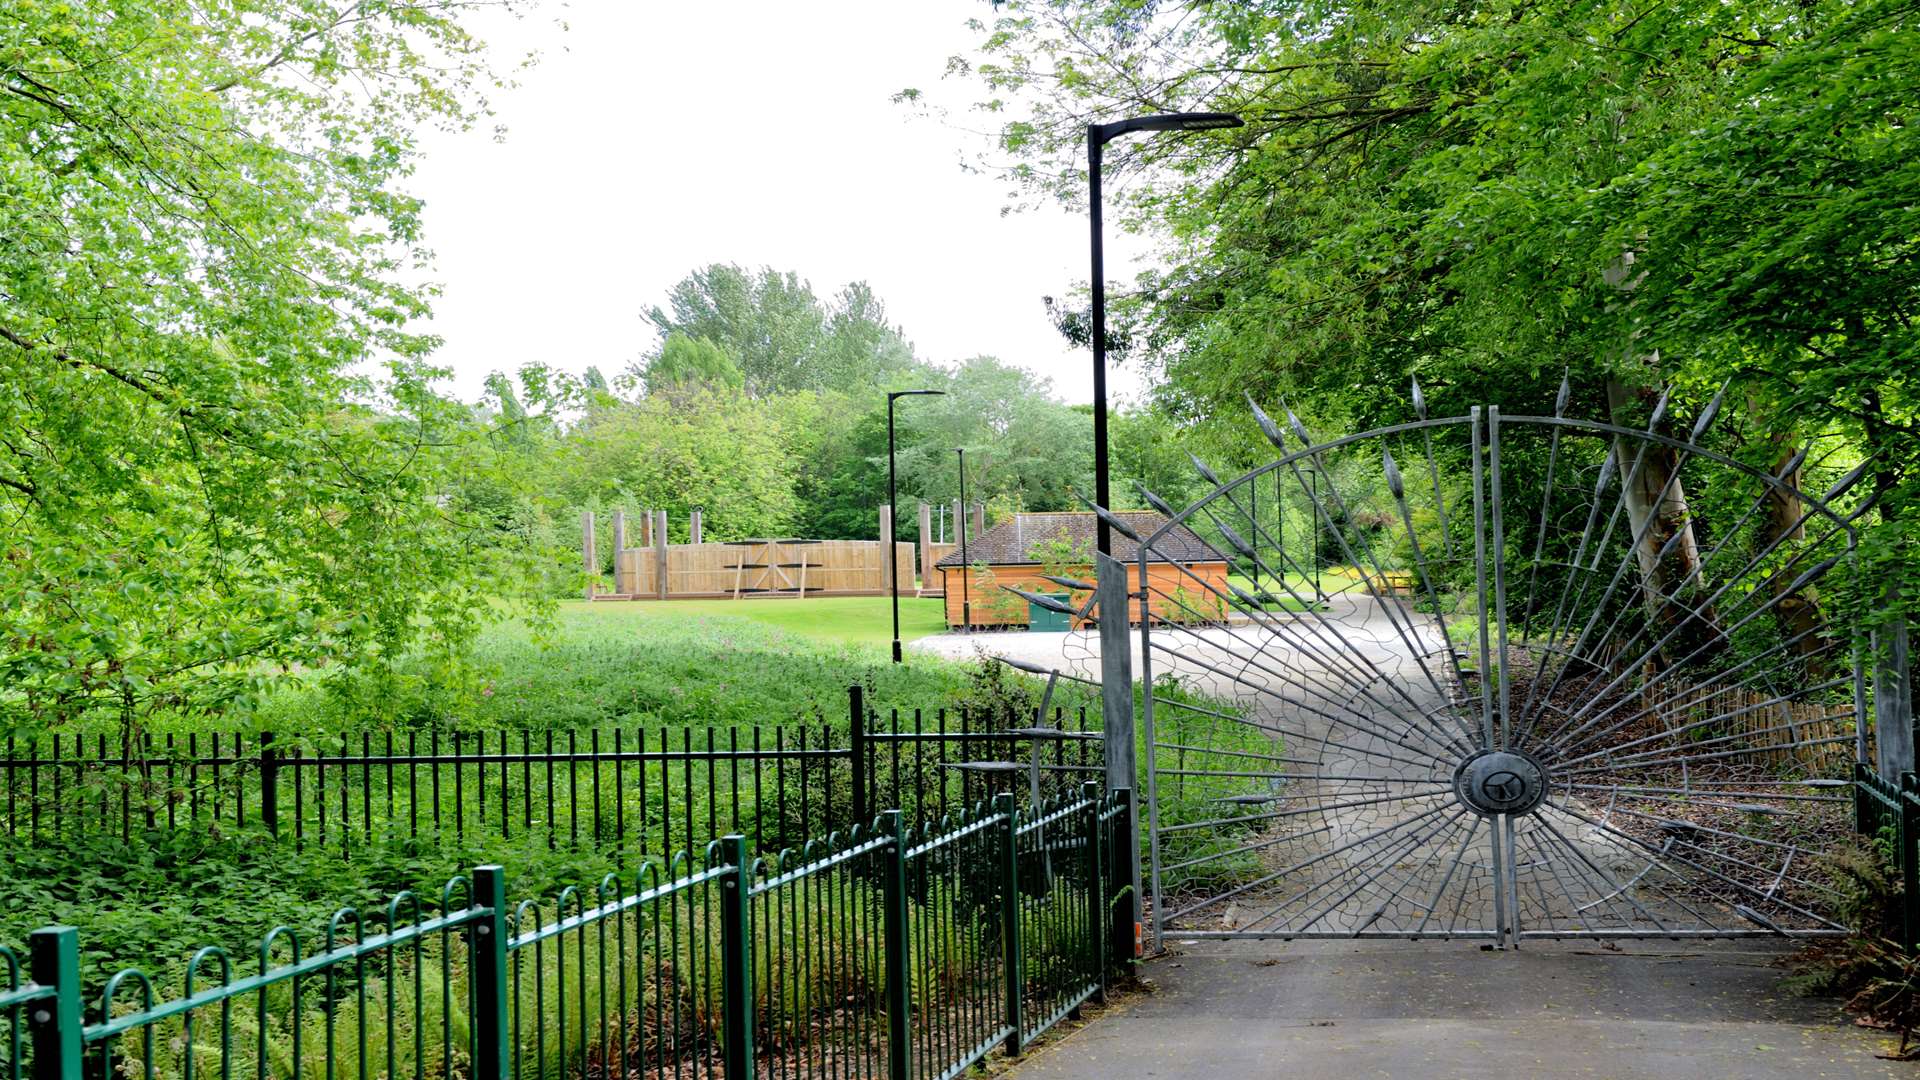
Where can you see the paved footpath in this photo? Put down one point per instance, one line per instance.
(1356, 1010)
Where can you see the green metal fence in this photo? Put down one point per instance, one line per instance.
(1891, 810)
(885, 951)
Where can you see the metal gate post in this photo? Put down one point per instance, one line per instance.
(1015, 957)
(1113, 597)
(894, 948)
(56, 1022)
(1097, 895)
(490, 1059)
(1906, 837)
(736, 958)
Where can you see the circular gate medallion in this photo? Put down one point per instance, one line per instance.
(1500, 782)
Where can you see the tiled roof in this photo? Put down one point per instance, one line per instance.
(1012, 542)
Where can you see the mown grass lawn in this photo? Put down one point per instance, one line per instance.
(833, 620)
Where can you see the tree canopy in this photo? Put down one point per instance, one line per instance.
(1486, 197)
(222, 457)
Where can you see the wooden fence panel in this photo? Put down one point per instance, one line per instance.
(765, 568)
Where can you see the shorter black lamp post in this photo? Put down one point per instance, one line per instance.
(886, 550)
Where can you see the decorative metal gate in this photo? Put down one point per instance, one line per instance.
(1505, 677)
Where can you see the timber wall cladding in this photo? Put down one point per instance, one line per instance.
(765, 568)
(1176, 593)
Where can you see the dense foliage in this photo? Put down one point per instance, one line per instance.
(221, 456)
(1484, 197)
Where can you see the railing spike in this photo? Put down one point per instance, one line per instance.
(1566, 393)
(1419, 399)
(1395, 483)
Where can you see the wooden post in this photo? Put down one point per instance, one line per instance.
(659, 520)
(979, 519)
(619, 545)
(646, 528)
(693, 525)
(926, 546)
(1116, 703)
(886, 549)
(591, 564)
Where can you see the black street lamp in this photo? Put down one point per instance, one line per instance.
(1098, 135)
(886, 550)
(966, 569)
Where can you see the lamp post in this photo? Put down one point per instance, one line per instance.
(886, 550)
(966, 568)
(1098, 135)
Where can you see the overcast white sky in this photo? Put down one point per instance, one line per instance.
(655, 137)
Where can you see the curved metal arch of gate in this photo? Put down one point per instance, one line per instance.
(1501, 677)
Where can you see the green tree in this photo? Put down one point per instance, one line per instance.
(687, 363)
(223, 455)
(781, 336)
(1487, 196)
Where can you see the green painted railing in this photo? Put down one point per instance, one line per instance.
(1891, 809)
(885, 951)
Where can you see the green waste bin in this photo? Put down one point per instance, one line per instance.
(1047, 620)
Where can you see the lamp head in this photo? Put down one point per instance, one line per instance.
(1187, 121)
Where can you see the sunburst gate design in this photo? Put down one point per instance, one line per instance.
(1519, 676)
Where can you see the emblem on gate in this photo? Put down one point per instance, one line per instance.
(1500, 782)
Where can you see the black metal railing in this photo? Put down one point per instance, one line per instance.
(638, 792)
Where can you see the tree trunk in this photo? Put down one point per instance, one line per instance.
(1799, 615)
(1662, 524)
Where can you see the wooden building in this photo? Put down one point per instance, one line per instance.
(1181, 570)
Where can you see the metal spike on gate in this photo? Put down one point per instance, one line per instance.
(1267, 427)
(1155, 501)
(1419, 399)
(1566, 393)
(1793, 464)
(1234, 538)
(1072, 583)
(1395, 484)
(1205, 473)
(1758, 919)
(1299, 429)
(1113, 520)
(1846, 482)
(1605, 477)
(1040, 600)
(1708, 414)
(1660, 409)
